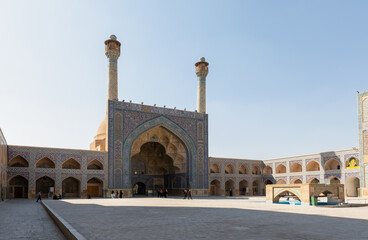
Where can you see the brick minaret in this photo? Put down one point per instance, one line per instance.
(112, 52)
(201, 71)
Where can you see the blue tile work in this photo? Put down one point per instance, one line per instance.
(138, 119)
(362, 130)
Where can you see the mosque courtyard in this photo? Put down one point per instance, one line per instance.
(201, 218)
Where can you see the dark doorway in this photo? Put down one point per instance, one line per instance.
(139, 189)
(18, 192)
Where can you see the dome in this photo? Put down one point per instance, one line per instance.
(101, 131)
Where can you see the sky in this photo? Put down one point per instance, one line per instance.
(283, 75)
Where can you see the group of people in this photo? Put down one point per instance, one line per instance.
(162, 193)
(187, 194)
(116, 194)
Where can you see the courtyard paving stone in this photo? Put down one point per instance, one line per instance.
(208, 218)
(26, 219)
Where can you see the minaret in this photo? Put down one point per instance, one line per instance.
(201, 70)
(112, 52)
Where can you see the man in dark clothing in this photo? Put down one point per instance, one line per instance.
(121, 194)
(189, 194)
(185, 193)
(231, 192)
(39, 196)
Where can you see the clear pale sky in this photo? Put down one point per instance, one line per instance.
(282, 79)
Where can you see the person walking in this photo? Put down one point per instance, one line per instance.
(112, 194)
(189, 194)
(39, 197)
(166, 193)
(185, 193)
(121, 194)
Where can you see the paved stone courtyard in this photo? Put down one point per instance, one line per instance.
(26, 219)
(209, 218)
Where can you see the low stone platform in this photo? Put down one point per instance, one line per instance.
(208, 218)
(304, 192)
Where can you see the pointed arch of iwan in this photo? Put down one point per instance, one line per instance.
(175, 130)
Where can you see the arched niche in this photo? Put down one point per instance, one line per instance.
(243, 187)
(71, 164)
(296, 181)
(71, 187)
(243, 169)
(256, 170)
(214, 168)
(45, 163)
(313, 166)
(18, 161)
(280, 169)
(281, 181)
(229, 187)
(334, 180)
(313, 180)
(229, 169)
(95, 165)
(352, 186)
(296, 167)
(255, 188)
(18, 187)
(267, 182)
(332, 164)
(267, 170)
(95, 187)
(215, 188)
(43, 185)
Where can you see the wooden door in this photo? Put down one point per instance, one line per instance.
(18, 192)
(212, 191)
(93, 191)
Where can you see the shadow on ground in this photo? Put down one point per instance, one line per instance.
(141, 222)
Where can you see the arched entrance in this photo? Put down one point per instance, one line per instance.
(229, 188)
(352, 186)
(139, 189)
(18, 187)
(286, 194)
(43, 185)
(243, 187)
(255, 188)
(95, 187)
(71, 188)
(215, 188)
(158, 160)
